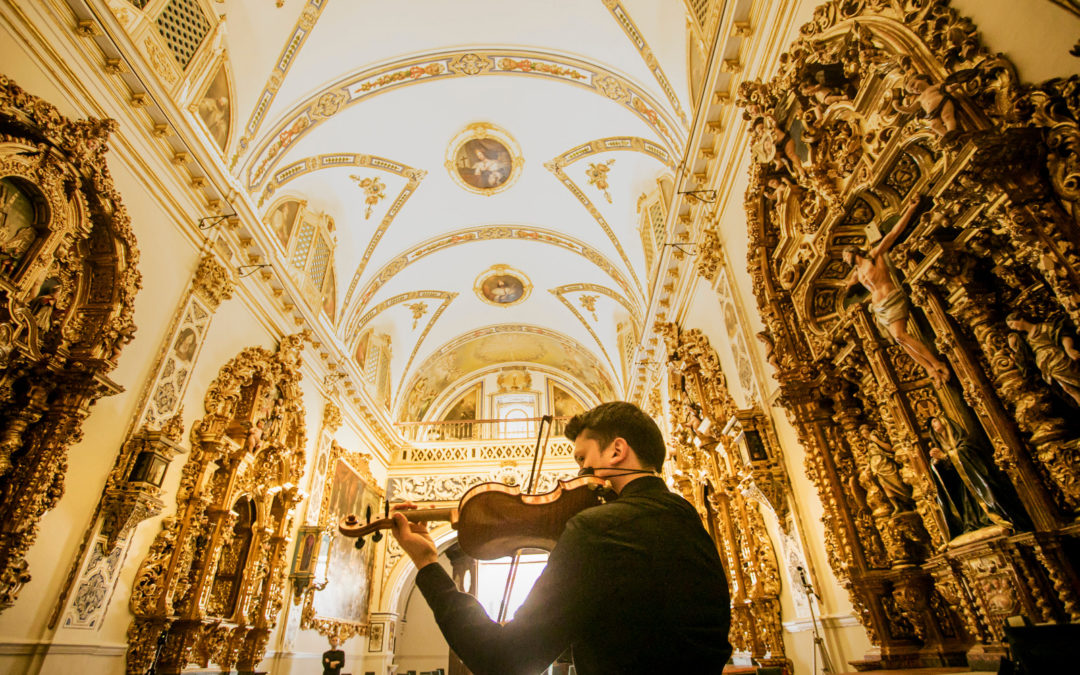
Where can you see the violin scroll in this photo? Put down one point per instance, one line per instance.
(350, 525)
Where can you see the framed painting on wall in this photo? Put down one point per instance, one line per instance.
(339, 608)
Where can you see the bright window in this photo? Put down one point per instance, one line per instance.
(513, 412)
(491, 582)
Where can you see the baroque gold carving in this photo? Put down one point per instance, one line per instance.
(68, 275)
(214, 577)
(712, 475)
(212, 281)
(890, 102)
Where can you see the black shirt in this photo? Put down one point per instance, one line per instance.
(634, 586)
(332, 655)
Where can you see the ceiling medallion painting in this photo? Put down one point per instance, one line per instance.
(484, 159)
(503, 286)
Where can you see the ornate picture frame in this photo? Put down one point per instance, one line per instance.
(484, 159)
(502, 286)
(339, 607)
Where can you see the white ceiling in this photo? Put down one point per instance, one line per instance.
(413, 124)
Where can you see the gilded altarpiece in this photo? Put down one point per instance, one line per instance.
(130, 495)
(913, 227)
(712, 474)
(213, 583)
(67, 285)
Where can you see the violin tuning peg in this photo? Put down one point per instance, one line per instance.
(359, 543)
(386, 509)
(377, 537)
(351, 521)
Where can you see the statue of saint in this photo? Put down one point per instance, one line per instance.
(254, 437)
(887, 300)
(972, 492)
(882, 464)
(933, 103)
(276, 428)
(1053, 348)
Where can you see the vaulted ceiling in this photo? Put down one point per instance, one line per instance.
(329, 93)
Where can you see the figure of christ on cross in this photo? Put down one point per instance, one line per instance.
(887, 300)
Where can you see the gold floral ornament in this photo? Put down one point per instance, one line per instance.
(597, 173)
(589, 303)
(419, 309)
(374, 192)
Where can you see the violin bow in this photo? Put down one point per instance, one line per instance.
(546, 422)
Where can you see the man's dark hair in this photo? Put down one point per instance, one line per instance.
(619, 419)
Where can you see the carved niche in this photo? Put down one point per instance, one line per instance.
(711, 475)
(907, 195)
(68, 280)
(213, 582)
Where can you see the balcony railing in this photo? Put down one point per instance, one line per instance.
(478, 430)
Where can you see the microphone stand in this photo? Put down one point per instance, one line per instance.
(819, 641)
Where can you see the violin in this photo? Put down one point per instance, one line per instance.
(495, 520)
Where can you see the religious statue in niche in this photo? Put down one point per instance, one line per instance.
(254, 437)
(822, 84)
(971, 491)
(275, 430)
(1052, 346)
(44, 304)
(881, 463)
(17, 219)
(888, 301)
(936, 103)
(777, 147)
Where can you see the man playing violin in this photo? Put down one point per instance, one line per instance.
(633, 586)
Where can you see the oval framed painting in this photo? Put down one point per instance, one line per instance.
(484, 159)
(502, 286)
